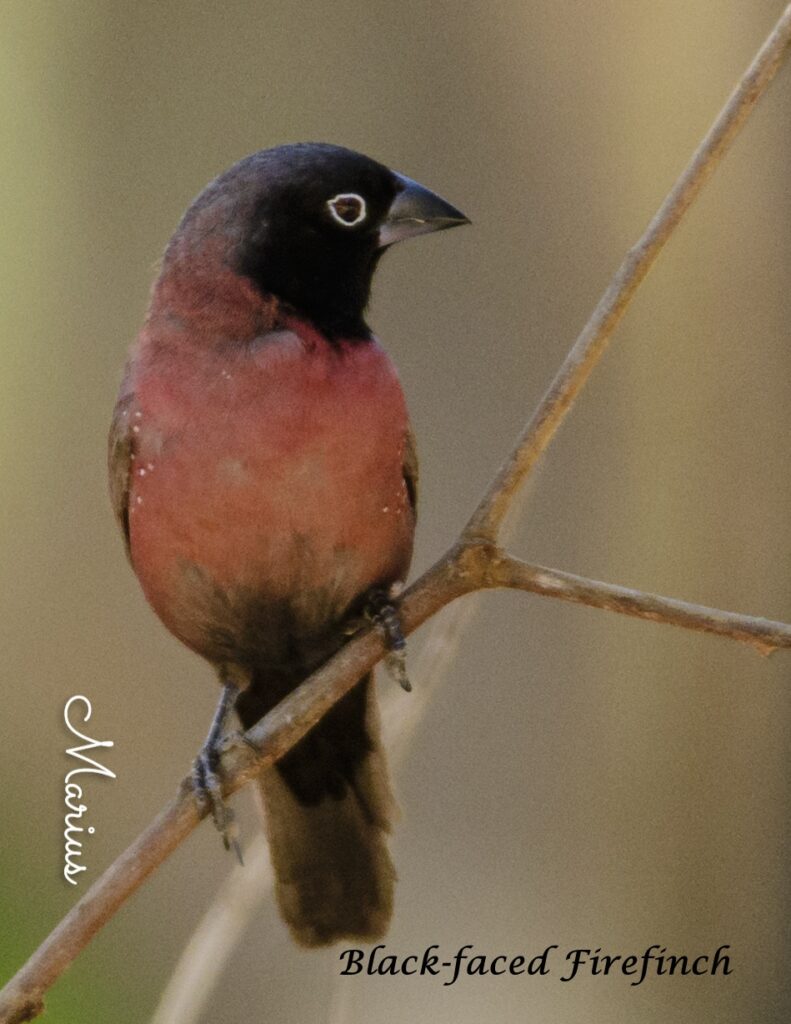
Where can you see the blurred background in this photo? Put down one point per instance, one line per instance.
(580, 779)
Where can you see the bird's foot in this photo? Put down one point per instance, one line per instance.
(206, 776)
(381, 610)
(208, 791)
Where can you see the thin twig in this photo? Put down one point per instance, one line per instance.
(215, 937)
(592, 343)
(217, 934)
(243, 892)
(467, 567)
(762, 635)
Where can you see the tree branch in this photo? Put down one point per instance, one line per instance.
(466, 568)
(592, 343)
(246, 888)
(762, 635)
(473, 563)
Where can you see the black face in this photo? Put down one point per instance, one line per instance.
(312, 233)
(307, 223)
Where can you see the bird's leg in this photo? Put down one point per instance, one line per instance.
(382, 611)
(205, 776)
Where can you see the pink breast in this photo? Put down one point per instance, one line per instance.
(272, 467)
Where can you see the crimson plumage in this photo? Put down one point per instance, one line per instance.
(264, 474)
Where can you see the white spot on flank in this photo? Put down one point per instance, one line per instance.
(141, 472)
(138, 415)
(135, 429)
(386, 508)
(139, 500)
(149, 466)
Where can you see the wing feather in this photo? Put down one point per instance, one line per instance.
(411, 469)
(120, 456)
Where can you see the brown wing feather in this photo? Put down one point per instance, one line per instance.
(411, 469)
(120, 453)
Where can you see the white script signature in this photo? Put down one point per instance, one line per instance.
(73, 790)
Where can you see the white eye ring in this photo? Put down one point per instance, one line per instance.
(349, 200)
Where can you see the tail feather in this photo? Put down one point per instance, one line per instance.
(327, 813)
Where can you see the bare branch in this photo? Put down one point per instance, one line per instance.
(244, 890)
(242, 893)
(592, 343)
(470, 565)
(463, 570)
(218, 932)
(21, 999)
(762, 635)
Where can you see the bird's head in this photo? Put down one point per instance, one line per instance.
(307, 223)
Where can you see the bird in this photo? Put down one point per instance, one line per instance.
(264, 476)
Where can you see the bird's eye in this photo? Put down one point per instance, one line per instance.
(347, 209)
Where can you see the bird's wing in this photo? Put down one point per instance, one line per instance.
(411, 469)
(120, 455)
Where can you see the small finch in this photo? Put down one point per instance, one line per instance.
(264, 476)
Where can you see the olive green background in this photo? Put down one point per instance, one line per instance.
(581, 779)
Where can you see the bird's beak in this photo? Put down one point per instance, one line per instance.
(417, 211)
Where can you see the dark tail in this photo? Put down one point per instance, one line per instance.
(328, 809)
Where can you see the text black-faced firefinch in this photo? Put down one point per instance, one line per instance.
(264, 475)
